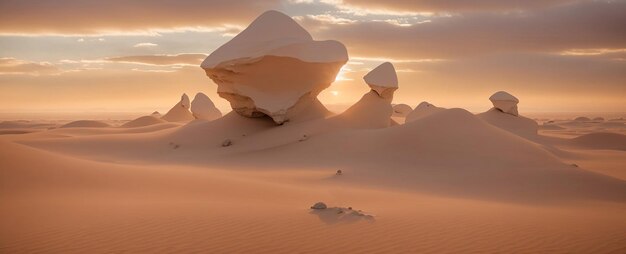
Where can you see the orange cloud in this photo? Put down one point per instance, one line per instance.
(556, 29)
(180, 59)
(119, 16)
(453, 5)
(9, 65)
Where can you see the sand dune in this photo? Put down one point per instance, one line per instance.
(435, 154)
(85, 124)
(142, 121)
(518, 125)
(108, 207)
(282, 174)
(610, 141)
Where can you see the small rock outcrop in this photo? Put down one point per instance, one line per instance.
(275, 68)
(319, 206)
(227, 142)
(383, 80)
(180, 112)
(203, 108)
(505, 102)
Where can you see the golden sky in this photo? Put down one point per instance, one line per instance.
(139, 56)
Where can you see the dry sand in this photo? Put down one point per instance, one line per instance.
(449, 182)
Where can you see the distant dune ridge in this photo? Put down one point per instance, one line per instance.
(396, 179)
(143, 121)
(85, 124)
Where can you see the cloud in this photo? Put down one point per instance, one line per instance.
(451, 5)
(121, 16)
(179, 59)
(575, 26)
(145, 45)
(9, 65)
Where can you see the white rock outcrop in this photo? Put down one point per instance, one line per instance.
(203, 108)
(422, 110)
(374, 109)
(383, 80)
(180, 112)
(274, 68)
(505, 102)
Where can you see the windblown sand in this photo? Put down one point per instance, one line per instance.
(430, 187)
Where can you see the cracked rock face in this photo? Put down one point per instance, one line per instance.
(505, 102)
(383, 80)
(274, 68)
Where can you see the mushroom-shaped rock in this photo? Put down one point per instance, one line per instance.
(505, 102)
(319, 205)
(180, 112)
(383, 80)
(401, 110)
(275, 68)
(203, 108)
(422, 110)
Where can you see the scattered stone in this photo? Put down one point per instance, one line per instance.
(227, 142)
(303, 138)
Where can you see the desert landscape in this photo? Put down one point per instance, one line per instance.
(281, 170)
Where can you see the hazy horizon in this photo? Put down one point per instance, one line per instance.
(555, 56)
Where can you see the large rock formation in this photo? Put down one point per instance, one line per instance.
(274, 68)
(180, 112)
(505, 102)
(422, 110)
(203, 108)
(383, 80)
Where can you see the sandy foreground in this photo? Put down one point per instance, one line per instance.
(430, 186)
